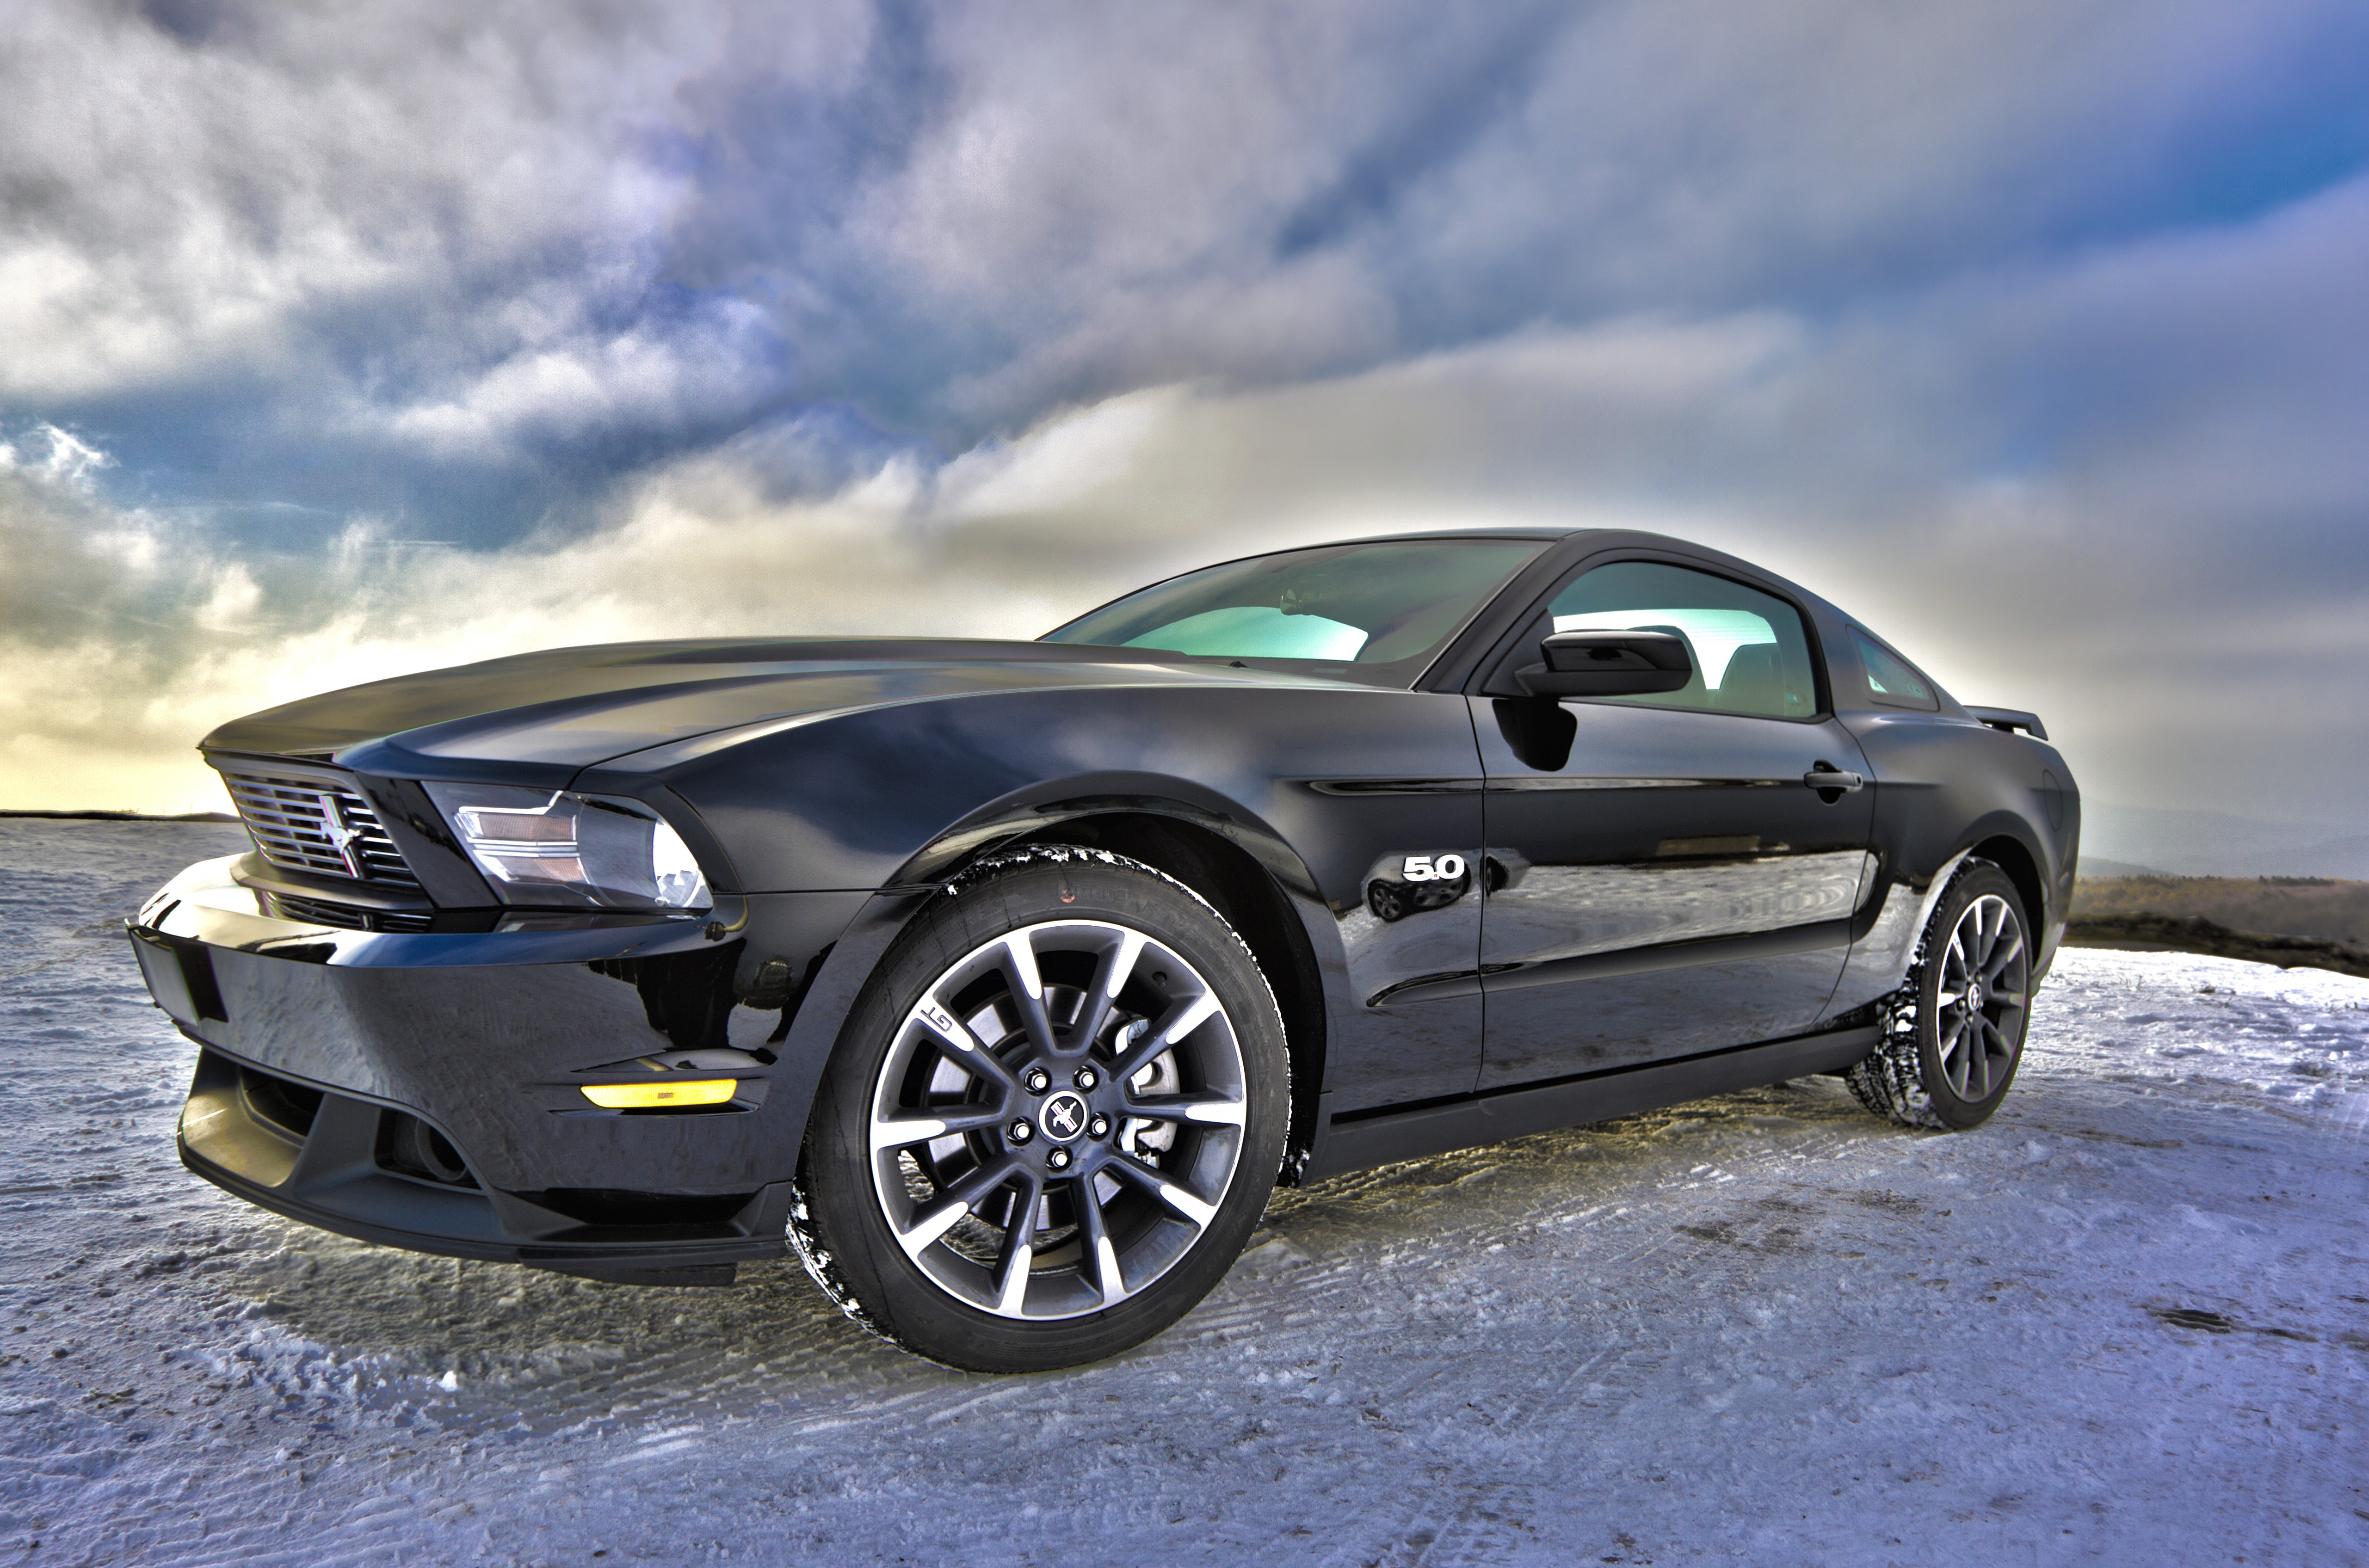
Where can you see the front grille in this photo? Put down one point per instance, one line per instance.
(321, 911)
(317, 825)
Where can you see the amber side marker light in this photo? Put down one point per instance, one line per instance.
(645, 1096)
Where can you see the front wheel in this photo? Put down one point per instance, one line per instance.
(1953, 1035)
(1052, 1120)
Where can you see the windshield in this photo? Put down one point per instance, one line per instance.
(1382, 605)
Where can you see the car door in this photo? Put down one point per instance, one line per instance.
(1660, 880)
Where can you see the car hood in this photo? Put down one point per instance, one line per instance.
(574, 707)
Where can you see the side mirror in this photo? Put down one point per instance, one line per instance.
(1608, 664)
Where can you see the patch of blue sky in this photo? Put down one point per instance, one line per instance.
(2292, 159)
(2293, 127)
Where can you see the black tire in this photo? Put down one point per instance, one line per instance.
(1949, 1053)
(1143, 1166)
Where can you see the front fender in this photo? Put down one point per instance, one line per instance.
(893, 801)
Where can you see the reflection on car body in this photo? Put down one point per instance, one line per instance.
(1400, 886)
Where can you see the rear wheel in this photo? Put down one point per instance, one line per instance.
(1953, 1035)
(1052, 1120)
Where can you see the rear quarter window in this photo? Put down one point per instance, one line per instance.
(1892, 679)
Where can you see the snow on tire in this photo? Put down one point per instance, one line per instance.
(1952, 1037)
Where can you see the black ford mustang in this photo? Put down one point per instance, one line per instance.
(1008, 977)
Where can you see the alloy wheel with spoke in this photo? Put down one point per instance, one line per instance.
(1981, 997)
(1052, 1118)
(1057, 1119)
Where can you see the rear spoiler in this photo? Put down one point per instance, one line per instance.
(2012, 720)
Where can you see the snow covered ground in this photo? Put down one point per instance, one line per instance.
(2127, 1321)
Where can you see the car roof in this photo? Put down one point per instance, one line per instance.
(1545, 534)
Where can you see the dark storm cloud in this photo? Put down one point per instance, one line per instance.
(380, 332)
(405, 260)
(429, 261)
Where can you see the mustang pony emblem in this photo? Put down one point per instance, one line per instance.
(1064, 1116)
(343, 836)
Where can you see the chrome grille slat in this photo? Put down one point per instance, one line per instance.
(291, 828)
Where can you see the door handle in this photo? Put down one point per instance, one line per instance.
(1823, 778)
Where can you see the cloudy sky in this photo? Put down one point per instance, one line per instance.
(342, 340)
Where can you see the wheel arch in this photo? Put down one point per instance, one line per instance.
(1254, 902)
(2012, 855)
(1248, 872)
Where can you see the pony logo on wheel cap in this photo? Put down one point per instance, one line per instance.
(1063, 1117)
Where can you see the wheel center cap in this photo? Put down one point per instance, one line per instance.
(1063, 1115)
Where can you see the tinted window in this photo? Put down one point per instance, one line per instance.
(1891, 680)
(1750, 652)
(1372, 604)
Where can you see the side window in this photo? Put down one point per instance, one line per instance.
(1891, 680)
(1750, 652)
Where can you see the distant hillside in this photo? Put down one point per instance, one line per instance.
(2338, 857)
(2272, 906)
(2092, 866)
(2122, 839)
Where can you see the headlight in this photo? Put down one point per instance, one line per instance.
(541, 846)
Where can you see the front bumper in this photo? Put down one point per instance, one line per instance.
(322, 1047)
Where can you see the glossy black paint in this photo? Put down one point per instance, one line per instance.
(1673, 833)
(1675, 884)
(1632, 909)
(1320, 782)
